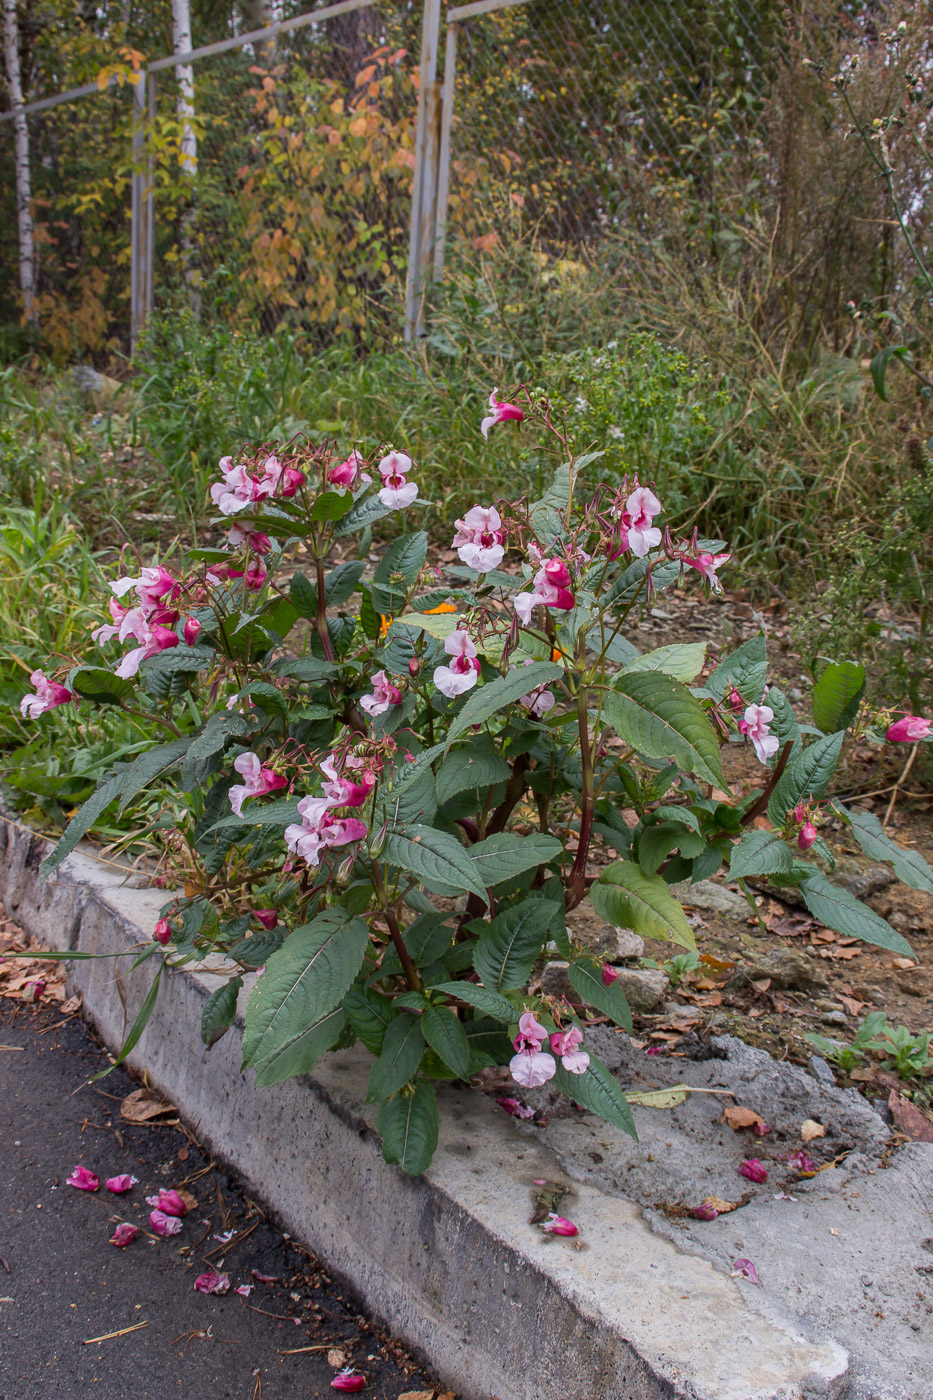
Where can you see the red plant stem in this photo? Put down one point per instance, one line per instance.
(322, 631)
(576, 885)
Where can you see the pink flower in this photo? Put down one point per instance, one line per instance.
(49, 694)
(152, 639)
(397, 491)
(341, 792)
(744, 1268)
(610, 975)
(564, 1044)
(107, 630)
(909, 730)
(191, 631)
(559, 1225)
(163, 1224)
(349, 473)
(320, 829)
(255, 575)
(384, 695)
(550, 590)
(806, 836)
(516, 1108)
(162, 933)
(708, 564)
(169, 1202)
(532, 1068)
(460, 675)
(479, 538)
(501, 413)
(753, 1169)
(641, 508)
(531, 1034)
(705, 1211)
(33, 990)
(212, 1282)
(123, 1235)
(237, 490)
(292, 479)
(259, 780)
(84, 1179)
(267, 917)
(801, 1162)
(119, 1185)
(760, 1129)
(349, 1380)
(755, 727)
(539, 701)
(253, 539)
(152, 587)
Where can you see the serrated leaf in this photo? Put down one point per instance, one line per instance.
(212, 738)
(176, 661)
(496, 695)
(303, 1052)
(269, 697)
(82, 821)
(625, 896)
(219, 1011)
(784, 725)
(511, 943)
(439, 625)
(476, 766)
(402, 1048)
(807, 775)
(837, 695)
(281, 812)
(404, 556)
(599, 1092)
(369, 1013)
(302, 984)
(447, 1038)
(151, 765)
(303, 594)
(841, 911)
(332, 505)
(409, 1126)
(586, 978)
(505, 855)
(483, 999)
(661, 719)
(746, 669)
(434, 858)
(98, 684)
(304, 668)
(682, 661)
(909, 866)
(365, 512)
(760, 853)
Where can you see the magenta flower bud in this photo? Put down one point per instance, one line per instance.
(212, 1282)
(753, 1169)
(123, 1235)
(267, 917)
(759, 1129)
(163, 638)
(516, 1108)
(292, 478)
(84, 1179)
(414, 666)
(559, 1225)
(163, 1224)
(348, 1380)
(735, 700)
(192, 630)
(259, 543)
(806, 836)
(33, 990)
(169, 1202)
(744, 1268)
(799, 813)
(610, 975)
(705, 1211)
(909, 730)
(162, 932)
(557, 573)
(119, 1185)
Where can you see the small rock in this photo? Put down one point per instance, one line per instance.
(555, 982)
(711, 898)
(616, 944)
(787, 969)
(821, 1071)
(862, 883)
(644, 988)
(834, 1018)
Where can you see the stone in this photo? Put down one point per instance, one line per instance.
(787, 969)
(644, 988)
(711, 898)
(554, 980)
(821, 1071)
(616, 945)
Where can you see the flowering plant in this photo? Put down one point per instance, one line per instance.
(384, 791)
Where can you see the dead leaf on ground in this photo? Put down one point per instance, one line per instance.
(903, 963)
(738, 1117)
(71, 1007)
(810, 1129)
(659, 1098)
(145, 1104)
(762, 985)
(852, 1006)
(190, 1201)
(719, 1204)
(337, 1358)
(714, 964)
(908, 1118)
(863, 1075)
(417, 1395)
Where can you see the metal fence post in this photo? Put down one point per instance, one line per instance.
(424, 184)
(138, 214)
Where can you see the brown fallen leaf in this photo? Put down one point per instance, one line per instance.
(810, 1129)
(714, 964)
(417, 1395)
(143, 1105)
(762, 985)
(908, 1118)
(903, 963)
(190, 1201)
(719, 1204)
(739, 1117)
(851, 1006)
(863, 1075)
(713, 999)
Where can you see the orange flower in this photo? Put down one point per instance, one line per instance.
(441, 608)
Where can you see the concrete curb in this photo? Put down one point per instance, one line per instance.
(448, 1262)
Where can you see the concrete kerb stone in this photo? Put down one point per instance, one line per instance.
(448, 1261)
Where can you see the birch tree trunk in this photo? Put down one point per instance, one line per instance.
(188, 147)
(27, 242)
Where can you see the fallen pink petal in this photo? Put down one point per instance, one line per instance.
(119, 1185)
(244, 1290)
(559, 1225)
(516, 1108)
(753, 1169)
(163, 1224)
(212, 1283)
(744, 1268)
(124, 1235)
(169, 1202)
(705, 1211)
(349, 1380)
(84, 1179)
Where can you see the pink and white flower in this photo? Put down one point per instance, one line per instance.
(909, 730)
(252, 539)
(152, 639)
(564, 1045)
(551, 590)
(708, 565)
(530, 1066)
(107, 629)
(479, 538)
(501, 413)
(384, 695)
(340, 791)
(397, 491)
(806, 836)
(191, 631)
(635, 529)
(460, 676)
(48, 695)
(83, 1179)
(754, 726)
(238, 489)
(258, 780)
(559, 1225)
(349, 473)
(540, 700)
(319, 828)
(152, 587)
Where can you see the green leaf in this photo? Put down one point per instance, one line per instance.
(219, 1011)
(784, 725)
(178, 660)
(281, 812)
(82, 822)
(98, 684)
(840, 910)
(304, 668)
(369, 1013)
(365, 512)
(341, 583)
(434, 858)
(219, 728)
(303, 594)
(909, 866)
(475, 766)
(332, 505)
(746, 668)
(138, 1026)
(661, 719)
(682, 661)
(625, 896)
(404, 556)
(511, 943)
(598, 1092)
(837, 695)
(150, 765)
(545, 515)
(302, 984)
(447, 1038)
(879, 366)
(303, 1052)
(655, 844)
(505, 855)
(402, 1048)
(760, 853)
(439, 625)
(481, 704)
(483, 999)
(586, 978)
(805, 776)
(408, 1126)
(269, 697)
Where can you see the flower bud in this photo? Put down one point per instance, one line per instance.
(414, 666)
(735, 700)
(557, 573)
(162, 933)
(559, 1225)
(378, 841)
(753, 1169)
(705, 1211)
(610, 975)
(33, 990)
(192, 630)
(807, 836)
(169, 1202)
(799, 813)
(119, 1185)
(267, 917)
(348, 1380)
(292, 478)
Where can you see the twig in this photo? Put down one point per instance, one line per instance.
(224, 1248)
(89, 1341)
(294, 1351)
(896, 788)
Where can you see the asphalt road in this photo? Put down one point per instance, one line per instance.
(62, 1282)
